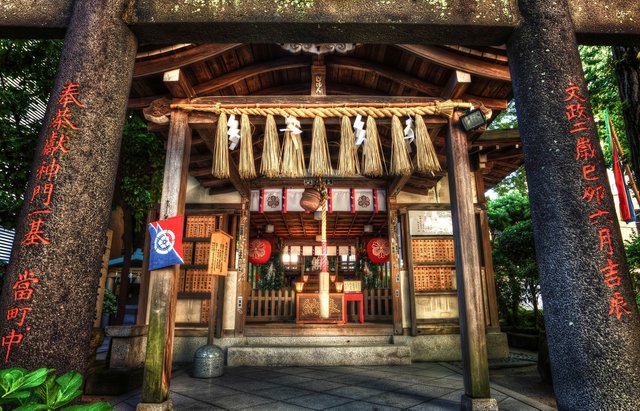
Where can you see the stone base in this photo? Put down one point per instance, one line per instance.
(446, 347)
(318, 356)
(478, 404)
(128, 345)
(153, 406)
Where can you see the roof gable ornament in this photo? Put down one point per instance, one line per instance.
(318, 49)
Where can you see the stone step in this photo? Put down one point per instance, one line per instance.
(297, 341)
(318, 355)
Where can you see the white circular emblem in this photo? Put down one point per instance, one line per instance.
(164, 241)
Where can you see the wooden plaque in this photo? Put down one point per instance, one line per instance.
(308, 308)
(219, 253)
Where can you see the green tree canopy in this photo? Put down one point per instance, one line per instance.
(27, 70)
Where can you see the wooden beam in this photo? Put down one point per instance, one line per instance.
(457, 84)
(397, 184)
(471, 308)
(318, 77)
(178, 84)
(244, 73)
(396, 289)
(458, 61)
(167, 62)
(157, 366)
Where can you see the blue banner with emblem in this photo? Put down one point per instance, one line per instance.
(166, 243)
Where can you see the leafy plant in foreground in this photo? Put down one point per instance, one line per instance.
(22, 390)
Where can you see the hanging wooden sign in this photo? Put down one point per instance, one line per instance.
(219, 253)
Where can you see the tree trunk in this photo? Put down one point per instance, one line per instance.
(627, 67)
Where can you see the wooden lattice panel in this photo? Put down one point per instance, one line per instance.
(196, 281)
(201, 254)
(431, 250)
(187, 252)
(433, 278)
(201, 226)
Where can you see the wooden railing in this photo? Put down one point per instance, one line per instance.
(279, 305)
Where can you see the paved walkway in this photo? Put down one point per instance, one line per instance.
(420, 386)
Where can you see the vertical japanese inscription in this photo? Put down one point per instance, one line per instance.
(57, 144)
(593, 194)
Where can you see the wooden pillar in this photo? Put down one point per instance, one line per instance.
(142, 317)
(52, 281)
(408, 267)
(396, 289)
(487, 258)
(157, 367)
(104, 271)
(470, 303)
(242, 287)
(590, 315)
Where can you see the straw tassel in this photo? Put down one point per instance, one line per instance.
(292, 156)
(246, 167)
(372, 161)
(270, 166)
(348, 159)
(220, 168)
(426, 156)
(400, 163)
(320, 160)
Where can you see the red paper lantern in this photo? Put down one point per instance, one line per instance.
(378, 250)
(259, 251)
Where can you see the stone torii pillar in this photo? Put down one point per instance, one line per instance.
(49, 295)
(592, 322)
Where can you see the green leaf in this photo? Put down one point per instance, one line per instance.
(36, 378)
(68, 388)
(47, 391)
(96, 406)
(31, 407)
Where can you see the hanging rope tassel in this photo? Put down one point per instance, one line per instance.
(320, 160)
(292, 156)
(247, 167)
(220, 168)
(348, 159)
(270, 166)
(426, 156)
(372, 160)
(400, 162)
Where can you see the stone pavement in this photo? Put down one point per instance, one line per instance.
(420, 386)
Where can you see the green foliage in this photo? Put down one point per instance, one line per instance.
(110, 302)
(42, 390)
(507, 210)
(141, 168)
(598, 66)
(514, 182)
(506, 119)
(632, 250)
(514, 257)
(27, 70)
(271, 273)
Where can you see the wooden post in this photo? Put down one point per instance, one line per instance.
(487, 258)
(318, 77)
(396, 298)
(157, 370)
(104, 271)
(408, 266)
(143, 297)
(472, 323)
(243, 266)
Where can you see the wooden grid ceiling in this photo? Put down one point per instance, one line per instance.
(372, 70)
(340, 224)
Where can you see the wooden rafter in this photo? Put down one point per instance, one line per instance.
(181, 59)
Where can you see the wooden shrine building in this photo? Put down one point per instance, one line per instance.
(413, 295)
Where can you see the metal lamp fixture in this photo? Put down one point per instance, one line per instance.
(473, 119)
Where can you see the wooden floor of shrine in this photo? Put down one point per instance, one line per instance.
(302, 330)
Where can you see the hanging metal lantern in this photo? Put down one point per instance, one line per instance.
(310, 200)
(378, 250)
(259, 251)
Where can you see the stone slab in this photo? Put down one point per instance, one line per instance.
(478, 404)
(318, 356)
(126, 330)
(446, 347)
(152, 406)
